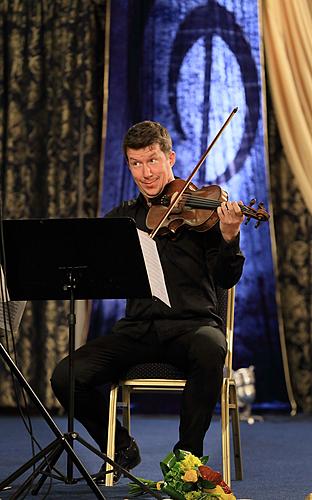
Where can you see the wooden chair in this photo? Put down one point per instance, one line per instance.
(148, 377)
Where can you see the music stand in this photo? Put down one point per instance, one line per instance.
(53, 259)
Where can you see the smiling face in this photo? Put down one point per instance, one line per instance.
(151, 169)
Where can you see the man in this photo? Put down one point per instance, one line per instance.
(188, 335)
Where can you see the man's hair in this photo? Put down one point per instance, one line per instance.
(144, 134)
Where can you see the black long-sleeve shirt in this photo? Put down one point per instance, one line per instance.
(193, 265)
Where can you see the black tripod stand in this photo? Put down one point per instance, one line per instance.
(81, 281)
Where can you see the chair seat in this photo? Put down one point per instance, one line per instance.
(154, 371)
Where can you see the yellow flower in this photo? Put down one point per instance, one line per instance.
(219, 491)
(158, 485)
(190, 476)
(189, 462)
(193, 495)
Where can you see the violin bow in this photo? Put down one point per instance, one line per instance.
(190, 177)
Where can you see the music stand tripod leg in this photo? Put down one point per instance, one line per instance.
(21, 470)
(118, 467)
(46, 464)
(54, 428)
(48, 468)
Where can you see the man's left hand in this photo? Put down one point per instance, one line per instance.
(231, 217)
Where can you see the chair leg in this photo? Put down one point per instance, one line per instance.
(126, 391)
(236, 431)
(225, 427)
(112, 415)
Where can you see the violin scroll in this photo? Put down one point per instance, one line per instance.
(260, 214)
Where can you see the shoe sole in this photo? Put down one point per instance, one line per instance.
(129, 467)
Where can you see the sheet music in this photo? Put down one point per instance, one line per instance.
(9, 309)
(153, 267)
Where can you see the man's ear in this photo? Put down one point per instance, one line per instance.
(172, 158)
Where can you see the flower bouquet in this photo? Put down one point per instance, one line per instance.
(187, 477)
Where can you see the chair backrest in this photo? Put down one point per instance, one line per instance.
(222, 297)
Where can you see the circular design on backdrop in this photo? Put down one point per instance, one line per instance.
(205, 22)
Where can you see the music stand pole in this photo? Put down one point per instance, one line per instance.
(71, 374)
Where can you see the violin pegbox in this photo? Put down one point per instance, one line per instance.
(260, 214)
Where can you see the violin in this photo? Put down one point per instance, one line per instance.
(182, 204)
(196, 208)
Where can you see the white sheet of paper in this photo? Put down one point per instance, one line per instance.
(153, 267)
(9, 309)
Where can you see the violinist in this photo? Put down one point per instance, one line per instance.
(188, 334)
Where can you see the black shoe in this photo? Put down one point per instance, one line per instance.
(128, 458)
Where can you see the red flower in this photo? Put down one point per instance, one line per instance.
(225, 487)
(214, 477)
(208, 474)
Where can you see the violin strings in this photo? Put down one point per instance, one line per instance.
(201, 202)
(198, 202)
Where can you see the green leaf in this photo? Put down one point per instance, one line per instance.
(168, 462)
(204, 483)
(188, 486)
(181, 454)
(176, 495)
(136, 490)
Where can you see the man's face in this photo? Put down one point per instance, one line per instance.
(151, 169)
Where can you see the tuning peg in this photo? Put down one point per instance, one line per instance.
(257, 224)
(252, 202)
(247, 220)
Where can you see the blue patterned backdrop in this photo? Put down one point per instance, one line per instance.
(187, 64)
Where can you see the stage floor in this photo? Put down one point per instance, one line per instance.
(277, 455)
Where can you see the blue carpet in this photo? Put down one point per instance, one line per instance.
(277, 456)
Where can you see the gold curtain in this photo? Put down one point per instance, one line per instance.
(288, 48)
(293, 229)
(51, 79)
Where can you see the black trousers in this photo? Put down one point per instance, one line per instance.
(200, 350)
